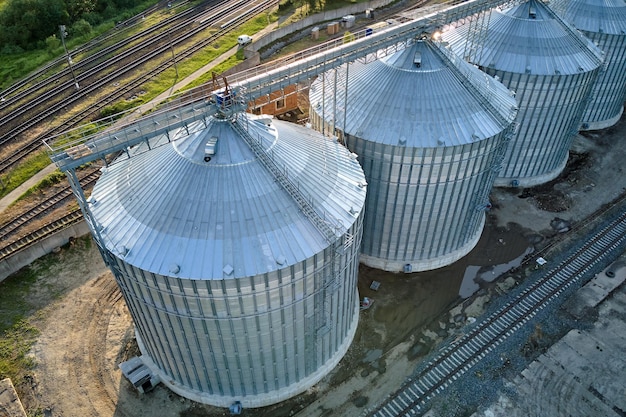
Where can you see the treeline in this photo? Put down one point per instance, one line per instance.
(27, 24)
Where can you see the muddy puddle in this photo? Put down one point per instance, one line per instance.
(404, 303)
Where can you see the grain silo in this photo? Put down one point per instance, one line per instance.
(550, 66)
(604, 22)
(237, 254)
(430, 132)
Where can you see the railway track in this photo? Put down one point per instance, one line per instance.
(47, 230)
(242, 10)
(22, 219)
(28, 85)
(60, 84)
(413, 398)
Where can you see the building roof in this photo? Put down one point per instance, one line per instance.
(529, 38)
(169, 212)
(596, 16)
(442, 102)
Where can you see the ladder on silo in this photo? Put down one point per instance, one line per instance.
(476, 34)
(467, 79)
(323, 225)
(320, 223)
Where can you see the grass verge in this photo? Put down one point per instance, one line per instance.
(17, 334)
(171, 76)
(14, 346)
(24, 171)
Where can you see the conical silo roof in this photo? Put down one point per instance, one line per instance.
(529, 38)
(422, 96)
(597, 16)
(171, 212)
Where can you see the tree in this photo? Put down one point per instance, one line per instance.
(25, 23)
(52, 43)
(77, 9)
(81, 27)
(313, 5)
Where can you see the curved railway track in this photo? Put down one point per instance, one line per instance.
(242, 10)
(456, 359)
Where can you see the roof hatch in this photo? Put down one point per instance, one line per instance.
(210, 148)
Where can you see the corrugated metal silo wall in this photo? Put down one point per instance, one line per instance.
(550, 110)
(609, 91)
(424, 206)
(260, 339)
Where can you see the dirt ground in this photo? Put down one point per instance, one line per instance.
(86, 330)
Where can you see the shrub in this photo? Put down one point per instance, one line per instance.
(81, 28)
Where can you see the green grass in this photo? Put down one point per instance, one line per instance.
(17, 333)
(24, 171)
(48, 181)
(302, 44)
(14, 305)
(218, 69)
(14, 346)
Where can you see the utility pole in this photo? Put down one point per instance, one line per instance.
(69, 58)
(169, 37)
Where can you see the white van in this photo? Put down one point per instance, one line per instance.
(244, 40)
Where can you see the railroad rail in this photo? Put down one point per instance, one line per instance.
(52, 87)
(29, 84)
(243, 10)
(48, 229)
(23, 218)
(459, 357)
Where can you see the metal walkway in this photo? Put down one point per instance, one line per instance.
(98, 139)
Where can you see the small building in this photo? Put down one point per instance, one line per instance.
(277, 102)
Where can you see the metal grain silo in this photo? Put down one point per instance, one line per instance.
(430, 132)
(604, 22)
(550, 66)
(237, 254)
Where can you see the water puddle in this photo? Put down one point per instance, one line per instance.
(474, 274)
